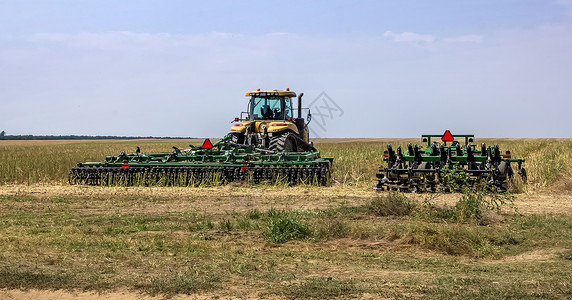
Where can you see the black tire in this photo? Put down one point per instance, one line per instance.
(237, 138)
(503, 169)
(522, 172)
(303, 146)
(290, 144)
(502, 176)
(285, 142)
(426, 180)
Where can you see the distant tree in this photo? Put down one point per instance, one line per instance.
(3, 133)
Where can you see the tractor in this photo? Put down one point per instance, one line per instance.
(269, 123)
(267, 144)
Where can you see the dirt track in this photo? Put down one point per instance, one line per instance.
(241, 198)
(118, 295)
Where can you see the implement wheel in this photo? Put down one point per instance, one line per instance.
(522, 173)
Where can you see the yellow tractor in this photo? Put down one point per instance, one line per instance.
(270, 124)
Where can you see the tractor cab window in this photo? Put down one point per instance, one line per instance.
(287, 108)
(270, 108)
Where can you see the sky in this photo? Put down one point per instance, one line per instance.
(376, 69)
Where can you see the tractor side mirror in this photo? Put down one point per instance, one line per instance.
(424, 140)
(471, 140)
(309, 117)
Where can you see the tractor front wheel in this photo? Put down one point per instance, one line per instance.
(237, 138)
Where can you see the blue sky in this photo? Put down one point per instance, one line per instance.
(498, 68)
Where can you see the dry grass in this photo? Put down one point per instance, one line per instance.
(115, 239)
(219, 241)
(548, 161)
(355, 160)
(31, 162)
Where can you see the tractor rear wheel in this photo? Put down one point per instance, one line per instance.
(285, 142)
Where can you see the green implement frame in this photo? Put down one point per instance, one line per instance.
(221, 162)
(427, 138)
(421, 169)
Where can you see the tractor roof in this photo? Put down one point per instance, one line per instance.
(271, 93)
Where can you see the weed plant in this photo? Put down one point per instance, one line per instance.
(285, 227)
(392, 204)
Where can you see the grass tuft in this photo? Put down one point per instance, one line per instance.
(186, 282)
(566, 254)
(392, 204)
(472, 241)
(283, 228)
(226, 225)
(332, 229)
(22, 278)
(322, 288)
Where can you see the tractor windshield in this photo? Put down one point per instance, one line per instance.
(270, 108)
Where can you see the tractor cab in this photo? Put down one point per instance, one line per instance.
(272, 105)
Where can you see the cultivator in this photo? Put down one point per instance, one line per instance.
(434, 167)
(209, 164)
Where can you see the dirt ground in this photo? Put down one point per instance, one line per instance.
(118, 295)
(239, 198)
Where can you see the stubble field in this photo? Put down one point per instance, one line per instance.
(344, 240)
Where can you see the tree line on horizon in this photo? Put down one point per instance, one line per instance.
(4, 136)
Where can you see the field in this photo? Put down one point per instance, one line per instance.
(239, 241)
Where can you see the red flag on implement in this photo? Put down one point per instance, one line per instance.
(207, 144)
(447, 137)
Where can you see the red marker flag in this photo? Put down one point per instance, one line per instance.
(447, 137)
(207, 144)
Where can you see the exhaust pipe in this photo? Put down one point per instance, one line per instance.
(300, 105)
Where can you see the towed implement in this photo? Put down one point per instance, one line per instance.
(209, 164)
(417, 169)
(265, 145)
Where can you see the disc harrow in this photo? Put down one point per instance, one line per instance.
(446, 167)
(210, 164)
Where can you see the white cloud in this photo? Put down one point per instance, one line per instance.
(416, 38)
(122, 39)
(409, 37)
(278, 33)
(464, 39)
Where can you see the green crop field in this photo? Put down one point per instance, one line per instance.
(343, 240)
